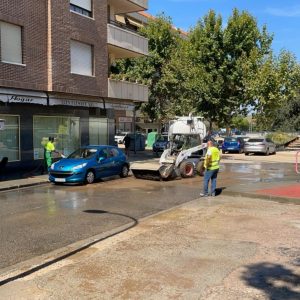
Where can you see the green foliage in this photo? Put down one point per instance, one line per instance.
(219, 71)
(225, 53)
(240, 123)
(281, 138)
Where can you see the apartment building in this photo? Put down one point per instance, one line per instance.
(55, 58)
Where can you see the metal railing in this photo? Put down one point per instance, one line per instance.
(128, 27)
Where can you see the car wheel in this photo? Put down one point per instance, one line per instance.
(187, 169)
(267, 152)
(223, 151)
(90, 177)
(124, 171)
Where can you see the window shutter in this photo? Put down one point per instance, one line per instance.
(86, 4)
(11, 43)
(81, 58)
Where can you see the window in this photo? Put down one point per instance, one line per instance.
(83, 7)
(81, 58)
(11, 43)
(9, 138)
(65, 131)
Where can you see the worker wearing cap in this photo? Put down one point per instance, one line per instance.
(211, 165)
(49, 148)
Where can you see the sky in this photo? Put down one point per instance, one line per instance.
(282, 18)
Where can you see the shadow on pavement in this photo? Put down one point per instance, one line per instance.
(275, 280)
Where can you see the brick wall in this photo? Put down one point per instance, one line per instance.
(31, 15)
(67, 25)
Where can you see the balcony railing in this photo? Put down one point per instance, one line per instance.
(124, 37)
(119, 89)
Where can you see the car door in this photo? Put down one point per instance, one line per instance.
(103, 163)
(115, 163)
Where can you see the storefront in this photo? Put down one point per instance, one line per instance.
(30, 118)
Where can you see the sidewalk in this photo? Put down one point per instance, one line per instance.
(220, 248)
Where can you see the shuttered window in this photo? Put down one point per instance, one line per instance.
(11, 43)
(81, 58)
(83, 7)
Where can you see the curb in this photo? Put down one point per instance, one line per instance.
(22, 185)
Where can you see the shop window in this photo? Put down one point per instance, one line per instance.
(11, 43)
(65, 131)
(9, 137)
(81, 58)
(98, 131)
(83, 7)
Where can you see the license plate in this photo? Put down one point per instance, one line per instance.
(60, 180)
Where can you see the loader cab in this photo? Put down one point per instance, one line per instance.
(181, 142)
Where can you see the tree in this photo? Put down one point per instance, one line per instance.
(273, 88)
(223, 53)
(163, 41)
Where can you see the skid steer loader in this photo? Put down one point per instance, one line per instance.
(184, 155)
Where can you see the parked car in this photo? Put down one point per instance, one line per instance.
(161, 144)
(260, 145)
(89, 163)
(119, 137)
(233, 144)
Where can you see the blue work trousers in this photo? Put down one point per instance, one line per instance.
(210, 175)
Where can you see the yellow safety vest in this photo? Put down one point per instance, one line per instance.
(49, 147)
(214, 161)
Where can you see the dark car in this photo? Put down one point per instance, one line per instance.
(89, 163)
(233, 144)
(161, 144)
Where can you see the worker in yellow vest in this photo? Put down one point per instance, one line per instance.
(211, 165)
(49, 148)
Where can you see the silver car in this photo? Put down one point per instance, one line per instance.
(260, 145)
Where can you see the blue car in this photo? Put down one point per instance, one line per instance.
(89, 163)
(233, 144)
(161, 144)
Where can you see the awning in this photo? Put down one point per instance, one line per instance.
(22, 96)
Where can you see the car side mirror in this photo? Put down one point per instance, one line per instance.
(101, 159)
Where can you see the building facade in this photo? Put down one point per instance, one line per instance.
(55, 58)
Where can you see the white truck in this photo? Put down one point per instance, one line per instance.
(184, 155)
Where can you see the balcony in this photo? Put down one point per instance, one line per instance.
(124, 42)
(127, 6)
(126, 90)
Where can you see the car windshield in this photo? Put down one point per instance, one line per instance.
(85, 153)
(255, 140)
(162, 138)
(229, 139)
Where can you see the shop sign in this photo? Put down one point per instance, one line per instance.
(125, 120)
(2, 124)
(23, 99)
(69, 102)
(119, 106)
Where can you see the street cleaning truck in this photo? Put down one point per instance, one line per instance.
(184, 155)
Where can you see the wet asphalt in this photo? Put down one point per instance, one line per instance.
(40, 219)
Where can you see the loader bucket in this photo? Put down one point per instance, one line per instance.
(152, 171)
